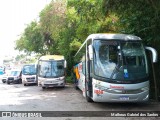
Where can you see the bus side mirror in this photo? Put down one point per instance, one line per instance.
(65, 64)
(154, 54)
(90, 49)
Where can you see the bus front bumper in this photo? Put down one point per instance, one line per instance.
(51, 83)
(109, 97)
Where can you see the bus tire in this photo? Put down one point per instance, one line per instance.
(87, 97)
(3, 81)
(75, 82)
(43, 88)
(76, 87)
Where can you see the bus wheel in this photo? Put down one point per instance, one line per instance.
(3, 81)
(75, 83)
(86, 93)
(76, 87)
(43, 88)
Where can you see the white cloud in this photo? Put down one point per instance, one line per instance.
(14, 15)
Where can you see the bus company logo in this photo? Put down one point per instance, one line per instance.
(116, 87)
(98, 92)
(6, 114)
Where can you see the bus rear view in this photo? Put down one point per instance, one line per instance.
(115, 69)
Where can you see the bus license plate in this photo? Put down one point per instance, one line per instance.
(124, 98)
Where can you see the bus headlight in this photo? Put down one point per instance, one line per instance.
(62, 78)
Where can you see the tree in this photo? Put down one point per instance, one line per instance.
(31, 40)
(52, 20)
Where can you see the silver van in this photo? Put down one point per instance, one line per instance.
(15, 76)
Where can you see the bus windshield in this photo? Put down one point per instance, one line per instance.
(120, 60)
(29, 70)
(15, 73)
(51, 69)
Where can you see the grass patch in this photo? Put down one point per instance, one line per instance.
(69, 79)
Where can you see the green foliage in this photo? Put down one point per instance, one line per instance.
(83, 17)
(69, 79)
(19, 57)
(139, 17)
(52, 20)
(75, 45)
(87, 16)
(31, 40)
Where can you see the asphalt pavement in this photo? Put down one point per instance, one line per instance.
(68, 104)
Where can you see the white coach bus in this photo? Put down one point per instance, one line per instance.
(113, 68)
(51, 71)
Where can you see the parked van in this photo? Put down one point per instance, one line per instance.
(29, 74)
(5, 76)
(15, 76)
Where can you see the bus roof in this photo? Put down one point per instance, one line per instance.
(28, 65)
(110, 36)
(113, 36)
(52, 57)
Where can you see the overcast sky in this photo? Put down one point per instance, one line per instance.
(14, 15)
